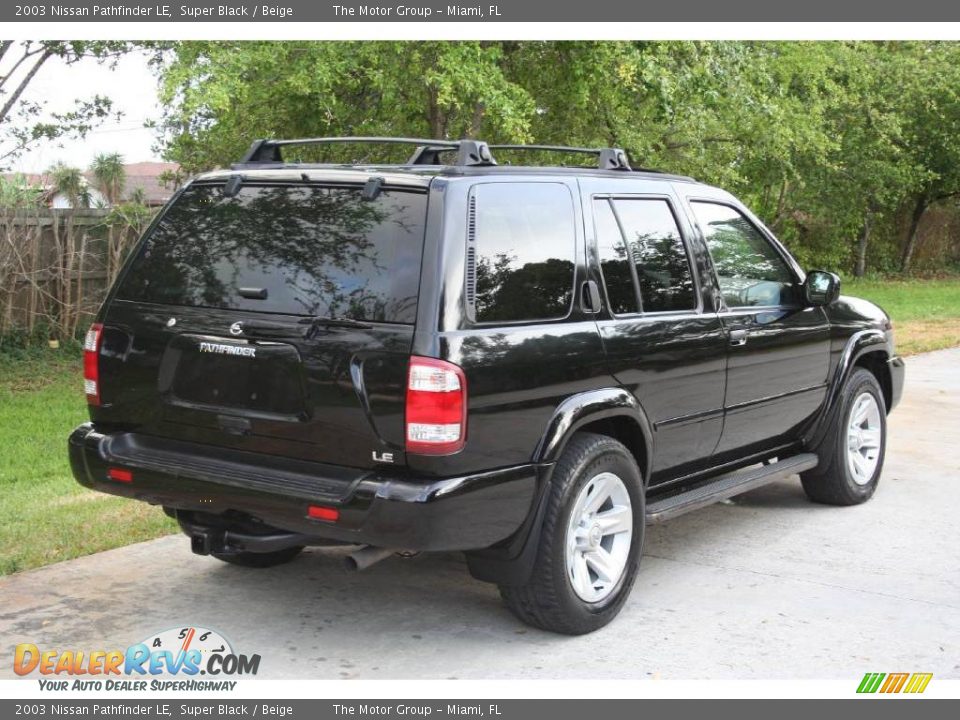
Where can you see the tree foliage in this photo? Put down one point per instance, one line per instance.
(840, 147)
(23, 121)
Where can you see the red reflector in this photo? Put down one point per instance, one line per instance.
(319, 512)
(120, 475)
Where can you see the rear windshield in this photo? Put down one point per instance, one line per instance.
(310, 250)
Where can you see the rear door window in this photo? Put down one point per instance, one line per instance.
(643, 232)
(311, 250)
(523, 245)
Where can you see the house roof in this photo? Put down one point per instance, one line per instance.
(145, 175)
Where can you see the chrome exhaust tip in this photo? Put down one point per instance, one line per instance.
(366, 556)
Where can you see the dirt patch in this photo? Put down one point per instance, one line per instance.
(917, 336)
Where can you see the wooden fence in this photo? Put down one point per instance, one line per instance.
(56, 266)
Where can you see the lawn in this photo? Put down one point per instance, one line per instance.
(45, 516)
(926, 313)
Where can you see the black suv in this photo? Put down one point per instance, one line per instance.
(527, 364)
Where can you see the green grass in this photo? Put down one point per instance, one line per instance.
(45, 516)
(926, 313)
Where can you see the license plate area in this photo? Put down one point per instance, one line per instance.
(224, 374)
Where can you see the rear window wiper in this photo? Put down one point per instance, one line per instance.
(318, 321)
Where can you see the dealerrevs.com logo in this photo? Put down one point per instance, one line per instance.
(170, 660)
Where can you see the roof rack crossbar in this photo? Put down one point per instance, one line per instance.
(607, 158)
(469, 152)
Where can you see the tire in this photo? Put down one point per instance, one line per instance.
(590, 465)
(260, 560)
(839, 478)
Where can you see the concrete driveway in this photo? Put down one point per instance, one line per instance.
(765, 586)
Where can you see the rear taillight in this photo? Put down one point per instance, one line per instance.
(91, 363)
(436, 421)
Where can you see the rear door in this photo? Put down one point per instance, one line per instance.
(778, 346)
(663, 340)
(220, 329)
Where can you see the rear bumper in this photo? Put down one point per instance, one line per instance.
(897, 373)
(391, 511)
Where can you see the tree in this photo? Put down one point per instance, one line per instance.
(127, 221)
(827, 141)
(928, 77)
(24, 122)
(110, 176)
(221, 96)
(72, 185)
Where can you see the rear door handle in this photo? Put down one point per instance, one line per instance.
(739, 336)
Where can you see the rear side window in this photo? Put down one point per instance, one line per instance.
(522, 242)
(644, 233)
(313, 250)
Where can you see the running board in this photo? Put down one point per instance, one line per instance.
(726, 486)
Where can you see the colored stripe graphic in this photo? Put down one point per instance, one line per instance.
(918, 682)
(894, 682)
(870, 682)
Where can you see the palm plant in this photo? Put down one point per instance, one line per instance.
(71, 184)
(109, 176)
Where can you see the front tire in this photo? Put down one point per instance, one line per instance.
(591, 541)
(851, 458)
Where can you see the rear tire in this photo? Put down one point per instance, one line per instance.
(260, 560)
(851, 457)
(591, 541)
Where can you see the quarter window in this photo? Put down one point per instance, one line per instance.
(524, 244)
(617, 276)
(643, 232)
(749, 269)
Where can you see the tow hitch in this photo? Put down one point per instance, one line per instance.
(205, 540)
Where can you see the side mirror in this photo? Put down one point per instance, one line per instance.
(821, 287)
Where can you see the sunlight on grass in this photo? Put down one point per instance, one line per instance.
(45, 516)
(926, 313)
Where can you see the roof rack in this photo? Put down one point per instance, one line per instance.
(607, 158)
(469, 152)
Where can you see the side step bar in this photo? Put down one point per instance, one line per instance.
(726, 486)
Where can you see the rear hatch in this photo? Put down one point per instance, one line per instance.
(272, 317)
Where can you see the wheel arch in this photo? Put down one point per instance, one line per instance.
(876, 361)
(612, 411)
(867, 349)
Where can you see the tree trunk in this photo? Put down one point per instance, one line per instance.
(78, 299)
(33, 266)
(860, 268)
(911, 241)
(435, 116)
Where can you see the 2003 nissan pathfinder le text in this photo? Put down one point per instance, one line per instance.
(527, 364)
